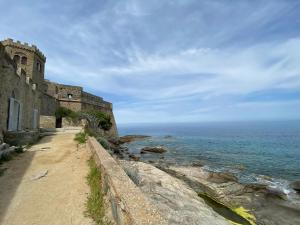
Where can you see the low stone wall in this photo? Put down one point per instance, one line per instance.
(128, 204)
(47, 121)
(21, 137)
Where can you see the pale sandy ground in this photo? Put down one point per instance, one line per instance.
(56, 199)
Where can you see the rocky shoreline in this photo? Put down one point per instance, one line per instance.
(257, 203)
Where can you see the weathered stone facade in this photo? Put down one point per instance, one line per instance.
(19, 97)
(74, 98)
(27, 98)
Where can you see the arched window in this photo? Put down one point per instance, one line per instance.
(17, 59)
(24, 60)
(39, 66)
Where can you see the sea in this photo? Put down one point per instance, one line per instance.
(264, 152)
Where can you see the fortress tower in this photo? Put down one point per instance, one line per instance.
(28, 59)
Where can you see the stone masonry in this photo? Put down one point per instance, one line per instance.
(27, 99)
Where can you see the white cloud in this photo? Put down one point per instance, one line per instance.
(167, 60)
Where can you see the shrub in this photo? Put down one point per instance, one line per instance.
(102, 120)
(103, 142)
(68, 113)
(81, 137)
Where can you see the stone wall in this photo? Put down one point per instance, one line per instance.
(47, 121)
(49, 105)
(128, 205)
(28, 58)
(74, 98)
(21, 137)
(15, 84)
(74, 105)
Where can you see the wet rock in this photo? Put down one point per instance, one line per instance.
(134, 157)
(130, 138)
(221, 177)
(296, 186)
(198, 164)
(168, 136)
(157, 149)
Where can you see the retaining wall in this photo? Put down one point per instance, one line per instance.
(128, 204)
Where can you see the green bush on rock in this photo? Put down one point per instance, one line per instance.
(68, 113)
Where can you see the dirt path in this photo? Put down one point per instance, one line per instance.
(56, 199)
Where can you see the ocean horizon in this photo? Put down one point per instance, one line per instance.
(266, 152)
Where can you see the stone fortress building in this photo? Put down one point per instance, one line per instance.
(28, 101)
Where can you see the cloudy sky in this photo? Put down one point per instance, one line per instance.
(170, 60)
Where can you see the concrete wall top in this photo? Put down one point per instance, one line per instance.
(129, 205)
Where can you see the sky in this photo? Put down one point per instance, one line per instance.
(170, 60)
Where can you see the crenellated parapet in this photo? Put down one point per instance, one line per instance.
(25, 46)
(11, 69)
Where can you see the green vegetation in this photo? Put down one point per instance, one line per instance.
(102, 120)
(81, 137)
(95, 202)
(90, 132)
(103, 142)
(67, 113)
(237, 216)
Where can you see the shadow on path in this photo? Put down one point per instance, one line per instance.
(14, 171)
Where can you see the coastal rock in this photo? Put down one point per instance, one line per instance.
(268, 205)
(134, 157)
(296, 186)
(130, 138)
(175, 200)
(168, 136)
(156, 149)
(221, 177)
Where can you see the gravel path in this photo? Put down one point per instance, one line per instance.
(46, 185)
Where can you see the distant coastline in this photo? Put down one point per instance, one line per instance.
(260, 157)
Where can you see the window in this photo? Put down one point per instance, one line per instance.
(17, 59)
(70, 96)
(24, 60)
(38, 66)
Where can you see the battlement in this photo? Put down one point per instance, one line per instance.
(25, 46)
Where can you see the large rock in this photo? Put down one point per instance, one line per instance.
(268, 205)
(296, 186)
(130, 138)
(175, 200)
(156, 149)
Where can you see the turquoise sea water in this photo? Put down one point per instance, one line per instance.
(264, 152)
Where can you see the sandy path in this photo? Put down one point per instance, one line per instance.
(56, 199)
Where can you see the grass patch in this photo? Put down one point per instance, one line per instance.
(103, 142)
(95, 202)
(81, 137)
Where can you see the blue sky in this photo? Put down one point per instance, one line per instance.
(170, 60)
